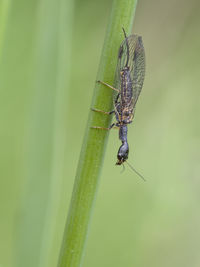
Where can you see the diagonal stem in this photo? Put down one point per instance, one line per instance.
(94, 143)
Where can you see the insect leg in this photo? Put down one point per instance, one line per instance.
(117, 97)
(104, 112)
(106, 84)
(103, 128)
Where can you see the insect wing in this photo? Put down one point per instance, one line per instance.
(134, 58)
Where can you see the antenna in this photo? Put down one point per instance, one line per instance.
(123, 168)
(127, 47)
(136, 171)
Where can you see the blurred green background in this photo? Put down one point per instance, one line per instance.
(49, 55)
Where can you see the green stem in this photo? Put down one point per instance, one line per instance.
(94, 144)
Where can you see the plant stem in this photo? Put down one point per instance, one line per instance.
(93, 148)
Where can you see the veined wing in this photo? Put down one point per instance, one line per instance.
(132, 56)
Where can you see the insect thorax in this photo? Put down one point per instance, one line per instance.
(127, 115)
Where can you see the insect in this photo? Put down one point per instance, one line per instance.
(129, 75)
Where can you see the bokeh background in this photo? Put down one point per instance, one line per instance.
(49, 55)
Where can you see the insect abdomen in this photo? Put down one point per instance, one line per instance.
(126, 88)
